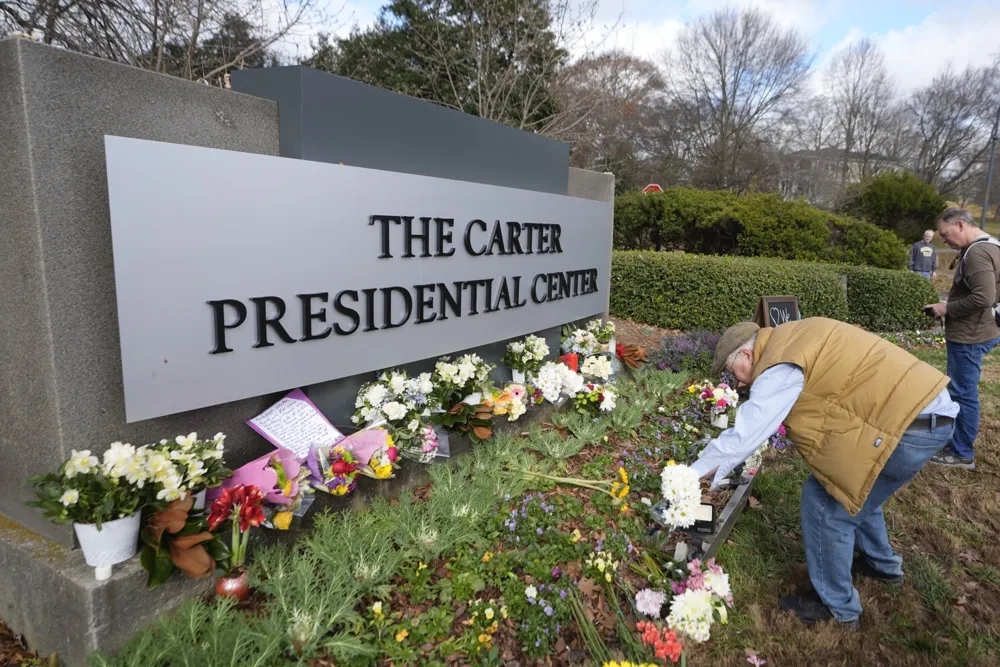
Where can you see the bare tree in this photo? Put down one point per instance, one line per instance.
(862, 95)
(194, 39)
(735, 76)
(950, 120)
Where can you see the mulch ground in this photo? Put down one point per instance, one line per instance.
(646, 336)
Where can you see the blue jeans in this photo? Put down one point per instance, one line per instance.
(925, 274)
(831, 535)
(965, 365)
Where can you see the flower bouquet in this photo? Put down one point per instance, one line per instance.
(178, 538)
(333, 469)
(510, 401)
(594, 399)
(460, 381)
(395, 399)
(719, 399)
(285, 484)
(700, 600)
(197, 462)
(525, 357)
(580, 341)
(243, 505)
(101, 499)
(380, 450)
(597, 368)
(555, 380)
(604, 332)
(681, 496)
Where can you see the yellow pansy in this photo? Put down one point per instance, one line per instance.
(401, 635)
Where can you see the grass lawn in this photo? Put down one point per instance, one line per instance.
(945, 524)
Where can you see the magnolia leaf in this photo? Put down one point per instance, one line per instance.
(482, 432)
(159, 565)
(195, 562)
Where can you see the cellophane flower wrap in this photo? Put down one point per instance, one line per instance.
(333, 469)
(526, 355)
(681, 488)
(382, 462)
(700, 600)
(510, 401)
(396, 399)
(421, 447)
(453, 381)
(593, 399)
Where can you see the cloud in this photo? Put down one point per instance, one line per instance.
(916, 53)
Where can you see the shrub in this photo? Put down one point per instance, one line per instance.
(881, 300)
(692, 292)
(719, 222)
(899, 202)
(688, 292)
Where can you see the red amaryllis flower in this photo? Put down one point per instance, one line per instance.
(246, 499)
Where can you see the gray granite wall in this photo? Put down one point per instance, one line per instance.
(60, 364)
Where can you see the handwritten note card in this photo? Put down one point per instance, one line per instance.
(295, 423)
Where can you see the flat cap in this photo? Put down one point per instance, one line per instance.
(732, 340)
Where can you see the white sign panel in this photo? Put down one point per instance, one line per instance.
(239, 275)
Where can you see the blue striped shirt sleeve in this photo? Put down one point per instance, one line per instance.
(772, 396)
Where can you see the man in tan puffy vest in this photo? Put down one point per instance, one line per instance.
(865, 415)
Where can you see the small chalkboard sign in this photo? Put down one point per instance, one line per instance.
(775, 310)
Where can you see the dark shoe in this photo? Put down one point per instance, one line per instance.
(810, 610)
(862, 567)
(948, 457)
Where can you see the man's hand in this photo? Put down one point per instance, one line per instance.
(933, 275)
(938, 309)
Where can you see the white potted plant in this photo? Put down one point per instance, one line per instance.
(101, 499)
(525, 357)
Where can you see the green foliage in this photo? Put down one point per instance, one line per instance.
(899, 202)
(688, 292)
(451, 51)
(721, 222)
(880, 300)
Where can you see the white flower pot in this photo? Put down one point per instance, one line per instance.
(721, 421)
(517, 376)
(199, 500)
(474, 399)
(115, 543)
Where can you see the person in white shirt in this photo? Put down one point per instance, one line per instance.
(865, 414)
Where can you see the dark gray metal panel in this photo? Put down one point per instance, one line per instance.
(283, 85)
(340, 120)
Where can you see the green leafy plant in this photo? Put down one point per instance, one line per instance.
(474, 420)
(85, 491)
(714, 222)
(174, 538)
(900, 202)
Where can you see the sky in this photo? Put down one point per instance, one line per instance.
(918, 37)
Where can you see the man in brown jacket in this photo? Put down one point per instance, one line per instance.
(865, 415)
(970, 325)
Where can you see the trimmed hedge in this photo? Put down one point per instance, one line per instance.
(719, 222)
(880, 300)
(675, 290)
